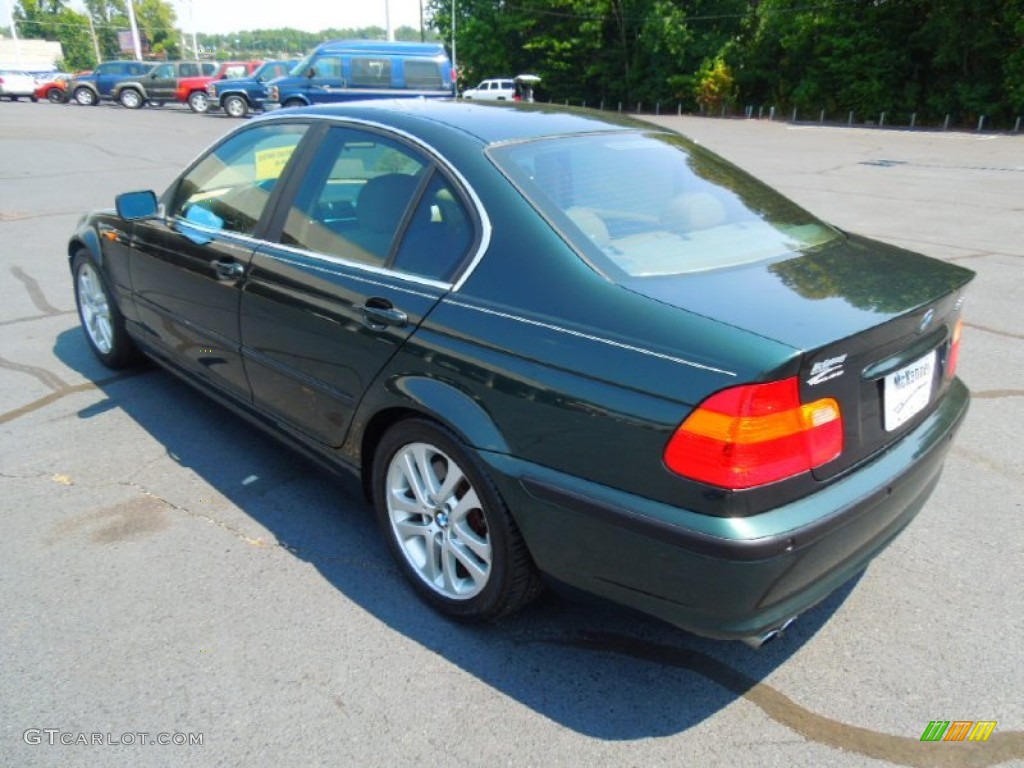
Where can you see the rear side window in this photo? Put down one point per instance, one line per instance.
(421, 73)
(655, 204)
(371, 72)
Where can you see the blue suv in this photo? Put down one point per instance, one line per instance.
(343, 70)
(89, 90)
(239, 97)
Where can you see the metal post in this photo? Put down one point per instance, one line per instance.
(771, 113)
(620, 106)
(760, 112)
(913, 119)
(821, 116)
(794, 115)
(679, 110)
(881, 121)
(945, 125)
(455, 71)
(135, 31)
(1016, 125)
(981, 122)
(638, 107)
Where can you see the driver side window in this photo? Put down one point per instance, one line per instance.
(229, 188)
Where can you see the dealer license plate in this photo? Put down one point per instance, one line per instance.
(908, 391)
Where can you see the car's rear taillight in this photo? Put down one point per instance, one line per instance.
(755, 434)
(954, 349)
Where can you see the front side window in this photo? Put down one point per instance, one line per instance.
(327, 68)
(164, 71)
(229, 188)
(644, 205)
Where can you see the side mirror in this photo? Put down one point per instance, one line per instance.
(312, 73)
(133, 206)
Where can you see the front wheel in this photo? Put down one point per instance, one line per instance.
(85, 97)
(199, 102)
(131, 99)
(101, 319)
(56, 96)
(294, 103)
(446, 525)
(236, 106)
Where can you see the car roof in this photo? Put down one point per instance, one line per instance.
(489, 123)
(381, 47)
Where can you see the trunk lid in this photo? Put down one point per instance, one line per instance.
(873, 325)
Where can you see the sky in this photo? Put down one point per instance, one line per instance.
(224, 16)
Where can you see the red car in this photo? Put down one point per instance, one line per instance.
(192, 90)
(54, 89)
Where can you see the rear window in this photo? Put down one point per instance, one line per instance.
(642, 205)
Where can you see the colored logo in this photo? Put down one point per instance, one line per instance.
(958, 730)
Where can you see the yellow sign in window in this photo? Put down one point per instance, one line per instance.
(270, 162)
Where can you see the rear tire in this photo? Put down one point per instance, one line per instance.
(101, 319)
(56, 96)
(131, 99)
(294, 103)
(199, 102)
(236, 106)
(447, 526)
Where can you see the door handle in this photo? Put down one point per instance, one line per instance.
(229, 270)
(378, 314)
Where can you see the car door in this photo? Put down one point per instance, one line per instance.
(328, 82)
(366, 247)
(188, 266)
(107, 75)
(162, 82)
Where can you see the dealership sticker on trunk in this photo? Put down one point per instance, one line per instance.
(908, 390)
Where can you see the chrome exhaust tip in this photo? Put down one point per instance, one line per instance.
(757, 641)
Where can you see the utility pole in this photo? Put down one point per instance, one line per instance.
(14, 33)
(135, 31)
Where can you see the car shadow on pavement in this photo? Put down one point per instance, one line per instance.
(597, 669)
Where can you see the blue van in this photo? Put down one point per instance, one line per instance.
(343, 70)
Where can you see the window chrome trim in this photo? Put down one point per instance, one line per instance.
(271, 254)
(591, 337)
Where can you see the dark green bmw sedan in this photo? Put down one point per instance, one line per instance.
(556, 347)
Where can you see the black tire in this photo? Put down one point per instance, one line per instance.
(13, 98)
(131, 99)
(199, 102)
(100, 316)
(456, 544)
(294, 103)
(235, 106)
(34, 98)
(56, 96)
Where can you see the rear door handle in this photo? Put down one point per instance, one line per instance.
(229, 270)
(378, 314)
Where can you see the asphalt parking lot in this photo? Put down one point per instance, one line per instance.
(171, 574)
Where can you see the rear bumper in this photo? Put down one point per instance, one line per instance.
(726, 577)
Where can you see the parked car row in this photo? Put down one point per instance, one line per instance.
(336, 71)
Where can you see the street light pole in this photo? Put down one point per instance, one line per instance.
(455, 70)
(135, 31)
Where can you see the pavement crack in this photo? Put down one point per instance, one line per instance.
(1001, 747)
(35, 292)
(61, 392)
(47, 378)
(996, 331)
